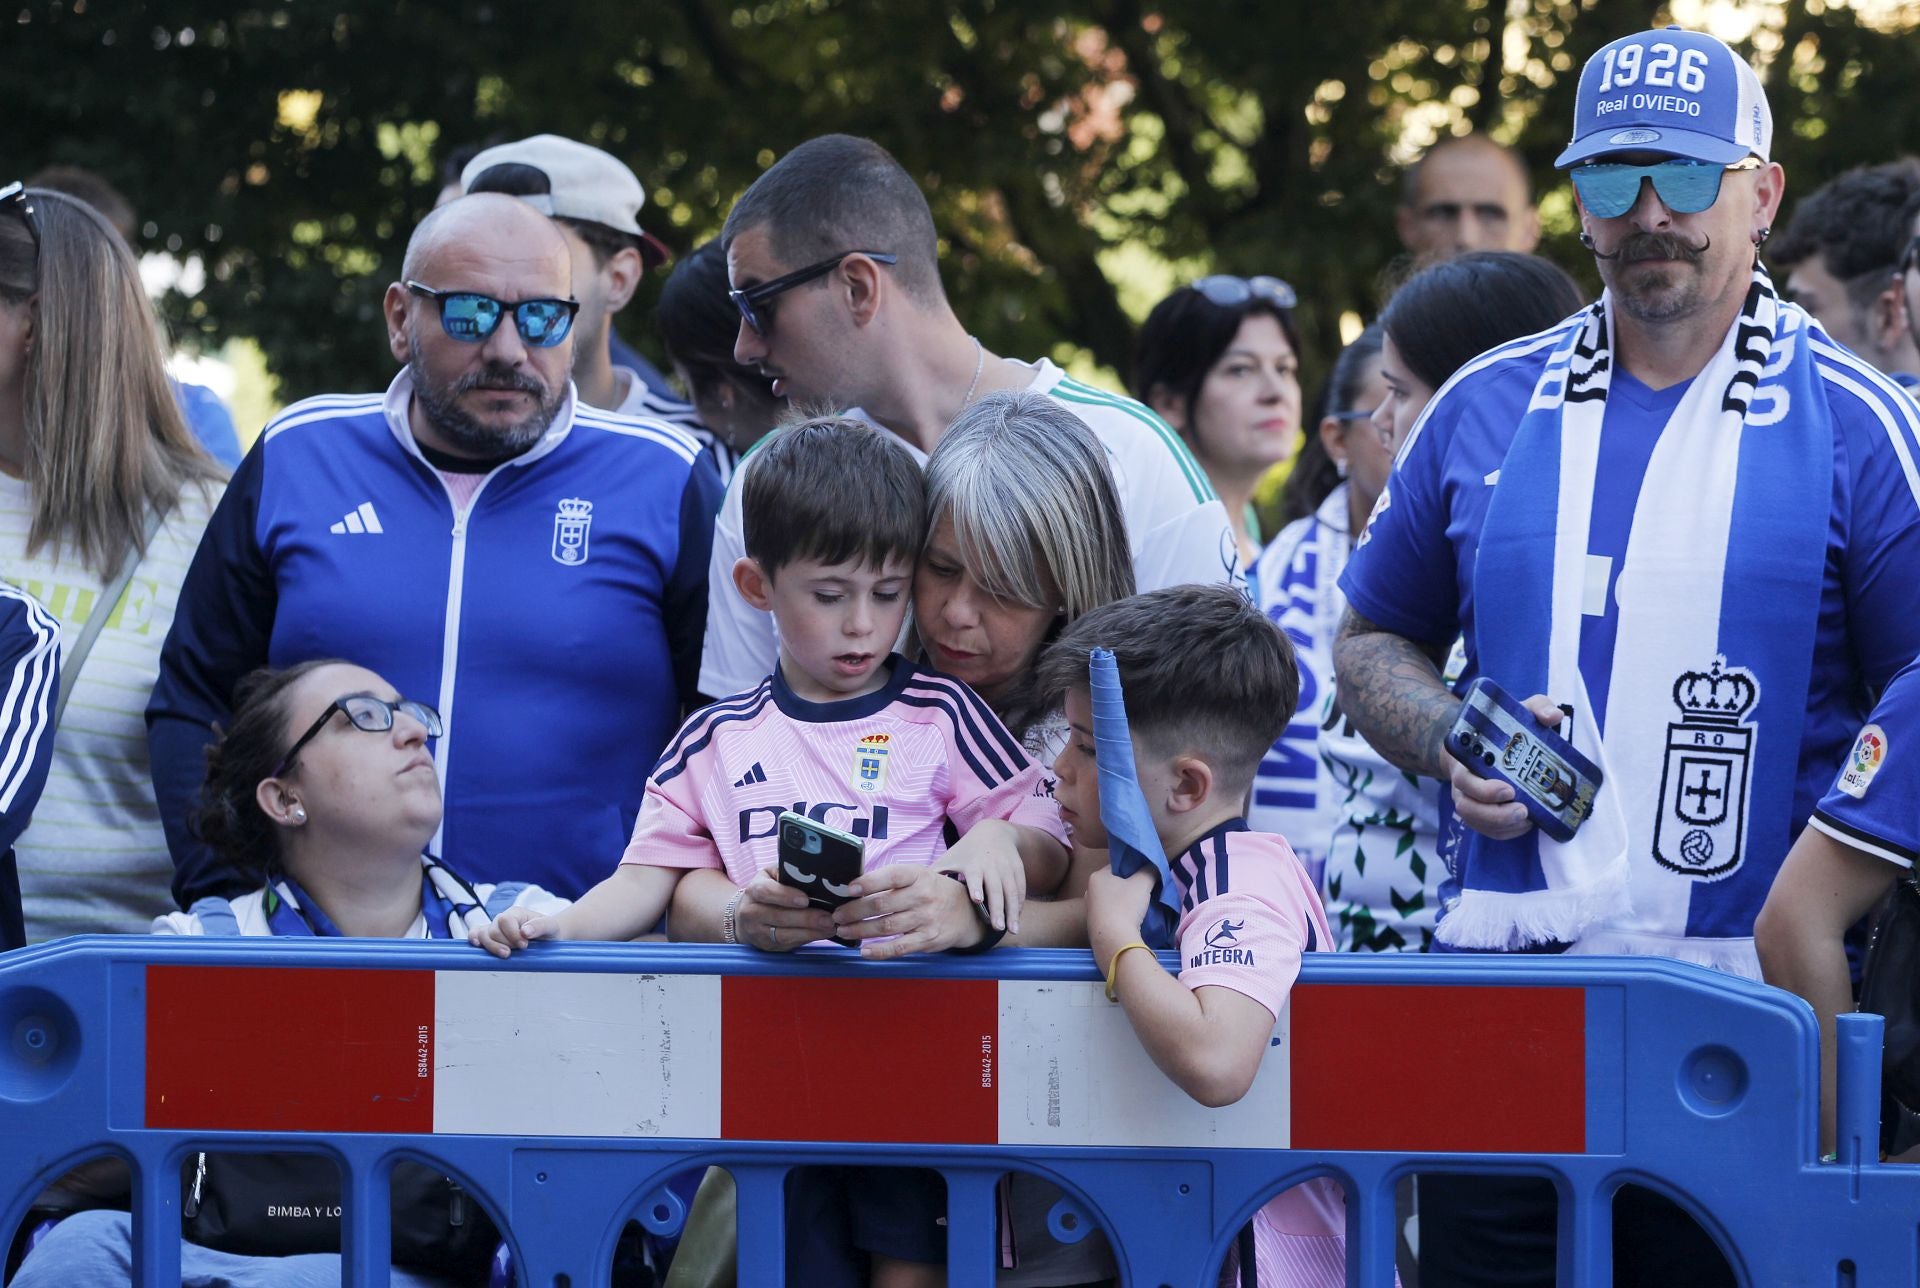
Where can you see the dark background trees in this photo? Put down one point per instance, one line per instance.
(1081, 158)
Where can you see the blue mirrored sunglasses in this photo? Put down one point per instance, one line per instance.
(1609, 190)
(471, 317)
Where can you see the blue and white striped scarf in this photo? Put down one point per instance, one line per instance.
(1719, 596)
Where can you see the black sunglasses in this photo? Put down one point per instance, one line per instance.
(1910, 256)
(754, 302)
(471, 317)
(368, 713)
(14, 196)
(1228, 291)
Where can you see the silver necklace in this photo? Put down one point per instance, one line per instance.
(979, 365)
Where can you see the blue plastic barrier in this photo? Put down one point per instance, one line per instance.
(1637, 1070)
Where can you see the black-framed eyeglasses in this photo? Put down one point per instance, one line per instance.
(14, 197)
(756, 302)
(368, 713)
(471, 317)
(1229, 291)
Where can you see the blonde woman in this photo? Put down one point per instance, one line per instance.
(1025, 535)
(103, 495)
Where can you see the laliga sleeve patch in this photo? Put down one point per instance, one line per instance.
(1863, 762)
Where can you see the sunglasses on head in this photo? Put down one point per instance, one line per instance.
(366, 713)
(470, 317)
(1228, 291)
(1609, 189)
(14, 197)
(756, 302)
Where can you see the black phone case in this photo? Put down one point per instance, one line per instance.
(837, 863)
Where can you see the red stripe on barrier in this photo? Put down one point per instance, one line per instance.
(859, 1060)
(1481, 1070)
(256, 1049)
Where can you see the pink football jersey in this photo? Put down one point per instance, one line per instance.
(908, 768)
(1248, 911)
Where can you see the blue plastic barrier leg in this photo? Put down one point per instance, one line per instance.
(1371, 1233)
(156, 1225)
(971, 1225)
(761, 1205)
(1857, 1089)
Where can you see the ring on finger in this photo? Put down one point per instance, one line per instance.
(773, 933)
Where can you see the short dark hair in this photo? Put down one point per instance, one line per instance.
(832, 489)
(1185, 335)
(1450, 313)
(698, 324)
(1858, 225)
(838, 193)
(517, 179)
(1204, 671)
(227, 815)
(1314, 475)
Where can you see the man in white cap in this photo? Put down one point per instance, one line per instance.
(1687, 514)
(595, 200)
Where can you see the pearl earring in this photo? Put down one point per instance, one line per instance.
(1340, 467)
(299, 813)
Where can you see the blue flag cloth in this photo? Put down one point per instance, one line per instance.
(1132, 842)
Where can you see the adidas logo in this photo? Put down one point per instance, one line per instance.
(362, 519)
(752, 776)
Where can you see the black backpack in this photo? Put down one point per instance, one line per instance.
(1890, 987)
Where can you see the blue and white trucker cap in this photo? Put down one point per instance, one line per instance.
(1672, 91)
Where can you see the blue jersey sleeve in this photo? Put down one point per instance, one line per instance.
(1402, 572)
(221, 631)
(685, 610)
(1881, 561)
(1874, 803)
(29, 685)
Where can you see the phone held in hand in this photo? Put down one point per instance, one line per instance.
(821, 861)
(1496, 737)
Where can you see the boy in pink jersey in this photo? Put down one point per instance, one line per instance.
(1209, 682)
(851, 735)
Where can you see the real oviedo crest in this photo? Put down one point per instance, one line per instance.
(1703, 784)
(870, 762)
(571, 524)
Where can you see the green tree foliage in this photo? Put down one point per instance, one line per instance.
(1080, 157)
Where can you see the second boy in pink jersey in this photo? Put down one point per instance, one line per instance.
(1208, 683)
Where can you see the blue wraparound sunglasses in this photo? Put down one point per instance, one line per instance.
(471, 317)
(1609, 190)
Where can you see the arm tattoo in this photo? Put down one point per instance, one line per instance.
(1390, 688)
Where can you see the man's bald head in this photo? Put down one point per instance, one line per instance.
(486, 226)
(1467, 193)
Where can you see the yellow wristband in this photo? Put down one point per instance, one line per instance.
(1113, 965)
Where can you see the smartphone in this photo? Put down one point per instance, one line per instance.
(1495, 737)
(820, 860)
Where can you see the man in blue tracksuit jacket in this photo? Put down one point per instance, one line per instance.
(534, 568)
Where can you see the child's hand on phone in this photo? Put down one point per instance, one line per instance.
(988, 860)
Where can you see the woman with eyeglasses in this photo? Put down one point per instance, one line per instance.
(1219, 361)
(324, 791)
(1336, 479)
(104, 493)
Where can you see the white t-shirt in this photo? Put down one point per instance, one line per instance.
(1177, 526)
(94, 859)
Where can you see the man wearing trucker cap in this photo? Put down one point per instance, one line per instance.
(595, 201)
(1689, 516)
